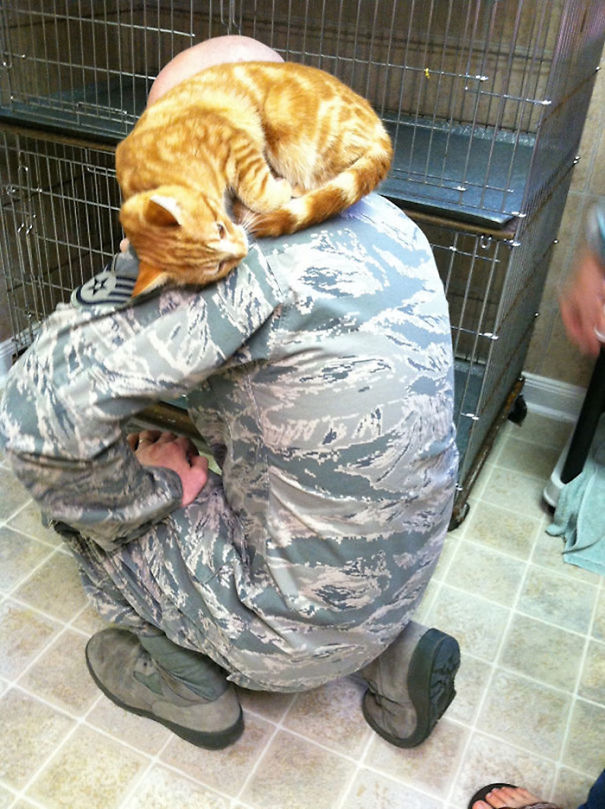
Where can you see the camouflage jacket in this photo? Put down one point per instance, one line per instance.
(320, 372)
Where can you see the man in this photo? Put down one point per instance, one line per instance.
(320, 372)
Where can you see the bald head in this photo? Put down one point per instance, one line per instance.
(205, 54)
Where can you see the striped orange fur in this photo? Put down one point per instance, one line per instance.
(291, 143)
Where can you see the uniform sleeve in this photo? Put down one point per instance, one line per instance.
(90, 370)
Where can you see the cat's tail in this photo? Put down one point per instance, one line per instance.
(329, 199)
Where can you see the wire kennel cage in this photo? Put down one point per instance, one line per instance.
(485, 101)
(479, 96)
(59, 225)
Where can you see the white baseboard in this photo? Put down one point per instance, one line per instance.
(549, 397)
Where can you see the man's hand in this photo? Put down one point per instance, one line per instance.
(582, 304)
(156, 448)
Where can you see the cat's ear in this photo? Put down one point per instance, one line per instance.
(163, 211)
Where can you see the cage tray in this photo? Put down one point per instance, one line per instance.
(430, 168)
(477, 176)
(106, 111)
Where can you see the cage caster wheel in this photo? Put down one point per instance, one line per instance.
(459, 514)
(518, 411)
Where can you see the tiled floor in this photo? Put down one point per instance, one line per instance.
(530, 707)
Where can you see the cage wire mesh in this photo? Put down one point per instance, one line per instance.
(485, 101)
(59, 223)
(60, 226)
(479, 96)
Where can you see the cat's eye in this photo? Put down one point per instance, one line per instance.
(221, 230)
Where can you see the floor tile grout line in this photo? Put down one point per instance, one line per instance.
(39, 654)
(278, 726)
(78, 722)
(535, 512)
(436, 586)
(480, 596)
(544, 684)
(55, 545)
(21, 602)
(17, 680)
(498, 445)
(481, 480)
(537, 529)
(18, 509)
(569, 570)
(490, 549)
(513, 610)
(454, 541)
(53, 552)
(493, 463)
(182, 774)
(156, 760)
(153, 761)
(491, 737)
(359, 764)
(156, 757)
(256, 765)
(30, 573)
(32, 801)
(478, 501)
(576, 696)
(374, 770)
(551, 624)
(492, 673)
(541, 444)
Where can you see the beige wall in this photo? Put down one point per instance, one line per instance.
(550, 352)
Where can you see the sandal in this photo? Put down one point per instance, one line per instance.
(481, 794)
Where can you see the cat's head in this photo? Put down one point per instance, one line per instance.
(181, 235)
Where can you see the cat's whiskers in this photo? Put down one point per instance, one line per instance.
(244, 217)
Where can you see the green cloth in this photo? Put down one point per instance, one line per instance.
(580, 514)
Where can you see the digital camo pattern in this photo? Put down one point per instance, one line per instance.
(321, 373)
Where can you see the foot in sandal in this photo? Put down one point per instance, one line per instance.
(507, 796)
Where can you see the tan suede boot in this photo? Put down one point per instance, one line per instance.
(410, 685)
(129, 676)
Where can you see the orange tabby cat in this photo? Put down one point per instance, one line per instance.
(263, 131)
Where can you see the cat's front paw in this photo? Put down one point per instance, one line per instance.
(283, 192)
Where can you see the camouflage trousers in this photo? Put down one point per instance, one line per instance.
(137, 587)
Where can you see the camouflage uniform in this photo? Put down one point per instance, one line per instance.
(320, 372)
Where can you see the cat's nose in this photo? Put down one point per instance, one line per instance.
(229, 264)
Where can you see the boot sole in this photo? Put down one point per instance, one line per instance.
(216, 740)
(430, 683)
